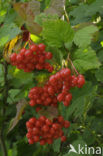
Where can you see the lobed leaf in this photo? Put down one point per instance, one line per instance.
(85, 59)
(8, 32)
(82, 100)
(84, 36)
(99, 74)
(56, 7)
(27, 11)
(57, 33)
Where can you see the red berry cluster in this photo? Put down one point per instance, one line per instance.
(57, 89)
(44, 130)
(40, 96)
(33, 58)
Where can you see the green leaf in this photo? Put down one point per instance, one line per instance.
(82, 101)
(57, 33)
(95, 7)
(8, 32)
(43, 17)
(85, 59)
(84, 36)
(84, 12)
(88, 136)
(56, 7)
(100, 55)
(13, 92)
(56, 145)
(79, 14)
(57, 55)
(96, 124)
(21, 75)
(99, 74)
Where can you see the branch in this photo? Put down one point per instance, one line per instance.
(5, 96)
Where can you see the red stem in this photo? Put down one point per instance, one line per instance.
(72, 65)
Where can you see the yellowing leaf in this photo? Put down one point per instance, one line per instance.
(14, 44)
(27, 11)
(33, 27)
(34, 38)
(51, 112)
(21, 9)
(20, 108)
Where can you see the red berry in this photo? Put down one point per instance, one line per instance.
(66, 103)
(61, 119)
(49, 141)
(50, 69)
(31, 141)
(80, 81)
(45, 128)
(29, 125)
(28, 53)
(42, 59)
(32, 103)
(13, 57)
(67, 72)
(68, 97)
(42, 118)
(19, 58)
(42, 142)
(48, 122)
(38, 123)
(56, 126)
(41, 47)
(51, 90)
(29, 135)
(66, 124)
(32, 120)
(36, 138)
(52, 131)
(49, 55)
(22, 51)
(60, 97)
(33, 47)
(35, 130)
(63, 138)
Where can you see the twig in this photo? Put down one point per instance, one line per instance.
(5, 95)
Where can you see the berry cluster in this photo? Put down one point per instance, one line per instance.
(57, 89)
(40, 96)
(33, 58)
(44, 130)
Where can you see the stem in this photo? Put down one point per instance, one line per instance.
(68, 58)
(66, 15)
(5, 96)
(99, 96)
(2, 142)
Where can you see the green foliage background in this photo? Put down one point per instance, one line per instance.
(82, 38)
